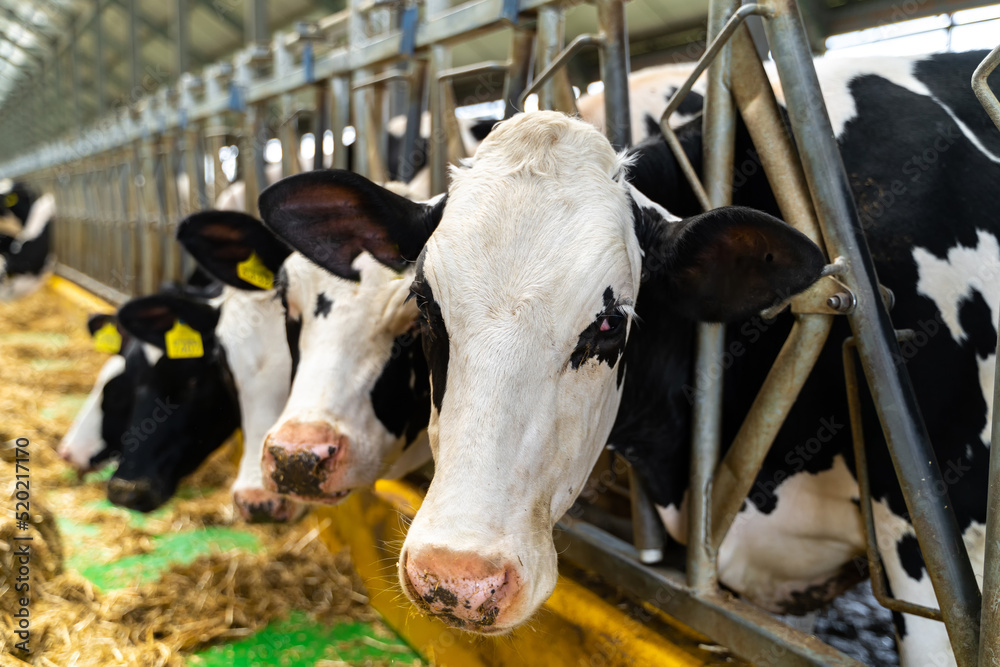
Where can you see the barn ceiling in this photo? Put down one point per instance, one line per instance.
(80, 51)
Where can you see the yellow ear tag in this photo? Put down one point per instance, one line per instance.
(10, 200)
(107, 339)
(253, 271)
(183, 342)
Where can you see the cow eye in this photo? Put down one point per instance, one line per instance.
(611, 325)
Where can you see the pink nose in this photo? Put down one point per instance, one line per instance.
(260, 506)
(305, 459)
(462, 589)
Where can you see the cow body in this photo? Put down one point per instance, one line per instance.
(924, 192)
(25, 240)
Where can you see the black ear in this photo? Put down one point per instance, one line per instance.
(149, 318)
(727, 264)
(98, 320)
(331, 216)
(224, 242)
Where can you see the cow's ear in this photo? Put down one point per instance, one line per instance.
(98, 321)
(234, 247)
(331, 216)
(151, 318)
(727, 264)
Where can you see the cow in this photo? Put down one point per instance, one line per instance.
(253, 334)
(528, 278)
(184, 399)
(26, 257)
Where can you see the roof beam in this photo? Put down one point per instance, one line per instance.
(220, 13)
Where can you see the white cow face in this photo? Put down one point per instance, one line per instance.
(526, 289)
(357, 401)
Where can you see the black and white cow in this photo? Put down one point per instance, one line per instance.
(182, 408)
(25, 239)
(528, 278)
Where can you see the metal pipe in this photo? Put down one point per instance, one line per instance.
(989, 647)
(99, 63)
(518, 68)
(556, 94)
(414, 107)
(581, 42)
(931, 513)
(182, 36)
(875, 570)
(340, 114)
(719, 131)
(715, 46)
(739, 468)
(614, 59)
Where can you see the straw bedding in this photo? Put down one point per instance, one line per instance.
(217, 597)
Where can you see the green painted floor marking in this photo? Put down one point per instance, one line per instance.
(67, 405)
(52, 364)
(170, 549)
(102, 474)
(56, 340)
(300, 642)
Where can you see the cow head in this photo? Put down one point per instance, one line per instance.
(25, 254)
(238, 250)
(183, 409)
(360, 394)
(96, 433)
(360, 398)
(526, 292)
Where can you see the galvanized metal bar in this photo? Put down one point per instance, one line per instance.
(916, 464)
(406, 169)
(182, 36)
(99, 64)
(581, 42)
(135, 59)
(340, 114)
(742, 628)
(875, 569)
(711, 51)
(686, 167)
(719, 132)
(614, 61)
(437, 143)
(989, 647)
(741, 464)
(557, 93)
(255, 22)
(982, 89)
(518, 67)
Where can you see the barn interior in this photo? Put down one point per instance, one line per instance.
(109, 104)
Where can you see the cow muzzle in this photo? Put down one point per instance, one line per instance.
(464, 590)
(139, 494)
(261, 506)
(307, 461)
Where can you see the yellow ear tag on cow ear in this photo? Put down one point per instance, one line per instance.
(10, 200)
(253, 271)
(183, 342)
(107, 339)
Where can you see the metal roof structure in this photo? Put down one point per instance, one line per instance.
(64, 64)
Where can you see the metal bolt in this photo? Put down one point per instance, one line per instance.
(842, 302)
